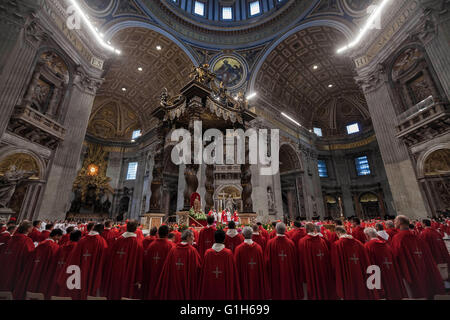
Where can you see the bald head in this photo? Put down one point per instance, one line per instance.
(281, 228)
(247, 232)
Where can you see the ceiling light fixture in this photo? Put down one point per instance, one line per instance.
(375, 14)
(140, 69)
(93, 29)
(124, 89)
(251, 96)
(316, 67)
(290, 118)
(159, 48)
(330, 86)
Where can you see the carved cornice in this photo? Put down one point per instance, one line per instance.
(373, 80)
(85, 82)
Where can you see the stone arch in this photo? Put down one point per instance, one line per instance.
(294, 159)
(11, 151)
(421, 161)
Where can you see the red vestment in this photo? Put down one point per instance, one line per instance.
(264, 233)
(350, 261)
(297, 234)
(109, 235)
(437, 246)
(273, 234)
(35, 235)
(154, 258)
(417, 265)
(123, 268)
(218, 280)
(205, 239)
(224, 217)
(261, 240)
(180, 274)
(233, 239)
(282, 269)
(315, 268)
(35, 276)
(5, 236)
(57, 268)
(251, 272)
(148, 240)
(380, 254)
(89, 255)
(64, 239)
(13, 259)
(358, 234)
(44, 235)
(391, 232)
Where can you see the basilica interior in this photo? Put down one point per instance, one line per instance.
(91, 90)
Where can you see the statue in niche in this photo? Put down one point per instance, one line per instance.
(76, 202)
(9, 182)
(270, 200)
(230, 204)
(106, 206)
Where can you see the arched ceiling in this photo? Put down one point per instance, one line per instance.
(304, 77)
(139, 91)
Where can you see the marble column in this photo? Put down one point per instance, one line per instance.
(64, 165)
(399, 167)
(20, 38)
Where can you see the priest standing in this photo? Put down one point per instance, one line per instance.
(421, 276)
(123, 267)
(206, 236)
(154, 258)
(251, 272)
(315, 265)
(17, 252)
(218, 280)
(282, 266)
(180, 274)
(233, 239)
(89, 255)
(350, 261)
(380, 254)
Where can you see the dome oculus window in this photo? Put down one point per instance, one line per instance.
(318, 132)
(353, 128)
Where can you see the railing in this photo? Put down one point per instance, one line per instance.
(420, 107)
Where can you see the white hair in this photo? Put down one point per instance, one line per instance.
(247, 232)
(281, 228)
(371, 233)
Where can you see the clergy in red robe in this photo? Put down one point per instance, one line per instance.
(59, 266)
(123, 267)
(358, 230)
(14, 256)
(5, 236)
(282, 267)
(421, 276)
(35, 234)
(315, 266)
(259, 238)
(46, 233)
(206, 236)
(66, 237)
(35, 277)
(297, 233)
(89, 255)
(436, 244)
(150, 238)
(263, 231)
(180, 275)
(350, 261)
(154, 258)
(380, 254)
(218, 280)
(273, 234)
(109, 234)
(224, 217)
(233, 238)
(250, 267)
(390, 229)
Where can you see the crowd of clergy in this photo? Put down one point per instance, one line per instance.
(307, 260)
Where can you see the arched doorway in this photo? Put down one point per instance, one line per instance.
(291, 184)
(435, 180)
(370, 205)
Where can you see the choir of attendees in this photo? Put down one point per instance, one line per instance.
(308, 260)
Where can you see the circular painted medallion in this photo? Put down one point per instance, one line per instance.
(230, 70)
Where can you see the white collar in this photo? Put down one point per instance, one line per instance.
(6, 231)
(218, 247)
(129, 234)
(248, 241)
(210, 226)
(281, 235)
(93, 233)
(232, 233)
(346, 236)
(50, 239)
(312, 234)
(184, 243)
(256, 233)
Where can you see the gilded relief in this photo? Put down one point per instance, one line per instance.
(22, 162)
(438, 163)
